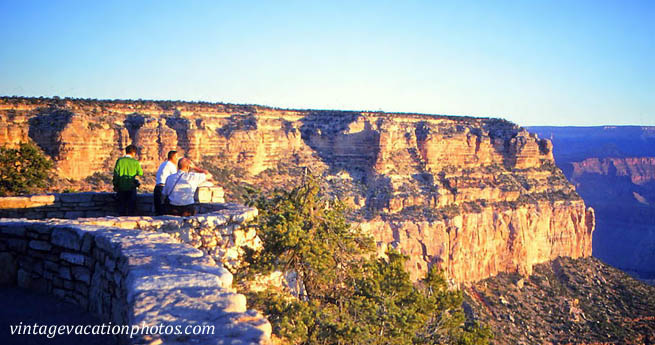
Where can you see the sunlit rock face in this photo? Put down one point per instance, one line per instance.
(640, 170)
(473, 196)
(473, 246)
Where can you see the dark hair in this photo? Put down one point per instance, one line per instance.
(171, 154)
(183, 161)
(130, 149)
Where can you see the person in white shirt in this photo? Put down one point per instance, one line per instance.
(166, 169)
(180, 188)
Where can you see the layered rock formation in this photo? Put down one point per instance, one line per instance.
(473, 246)
(613, 169)
(473, 196)
(640, 170)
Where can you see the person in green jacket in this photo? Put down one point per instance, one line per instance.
(125, 182)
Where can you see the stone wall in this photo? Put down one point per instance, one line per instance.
(219, 230)
(89, 204)
(131, 274)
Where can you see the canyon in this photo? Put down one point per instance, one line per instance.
(472, 196)
(613, 169)
(566, 301)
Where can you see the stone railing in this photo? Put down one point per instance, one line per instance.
(219, 232)
(140, 271)
(89, 204)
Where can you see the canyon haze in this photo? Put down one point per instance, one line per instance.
(613, 169)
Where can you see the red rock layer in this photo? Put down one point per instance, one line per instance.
(474, 196)
(640, 169)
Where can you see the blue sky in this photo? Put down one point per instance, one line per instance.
(532, 62)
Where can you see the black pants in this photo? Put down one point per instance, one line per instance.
(182, 211)
(127, 202)
(159, 202)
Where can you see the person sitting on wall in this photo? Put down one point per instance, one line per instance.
(180, 188)
(126, 170)
(166, 169)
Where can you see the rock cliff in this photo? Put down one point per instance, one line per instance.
(473, 196)
(474, 245)
(613, 169)
(640, 170)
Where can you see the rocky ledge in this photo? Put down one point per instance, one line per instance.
(566, 301)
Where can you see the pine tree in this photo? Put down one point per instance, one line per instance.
(23, 170)
(346, 294)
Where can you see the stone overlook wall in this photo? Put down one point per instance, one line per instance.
(88, 204)
(218, 230)
(474, 196)
(68, 205)
(131, 275)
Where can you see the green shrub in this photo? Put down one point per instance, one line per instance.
(346, 294)
(23, 170)
(99, 178)
(450, 211)
(228, 176)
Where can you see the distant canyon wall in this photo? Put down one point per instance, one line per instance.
(640, 170)
(613, 169)
(473, 196)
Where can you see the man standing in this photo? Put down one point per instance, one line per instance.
(166, 169)
(181, 187)
(125, 182)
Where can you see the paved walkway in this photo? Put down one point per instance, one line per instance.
(18, 305)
